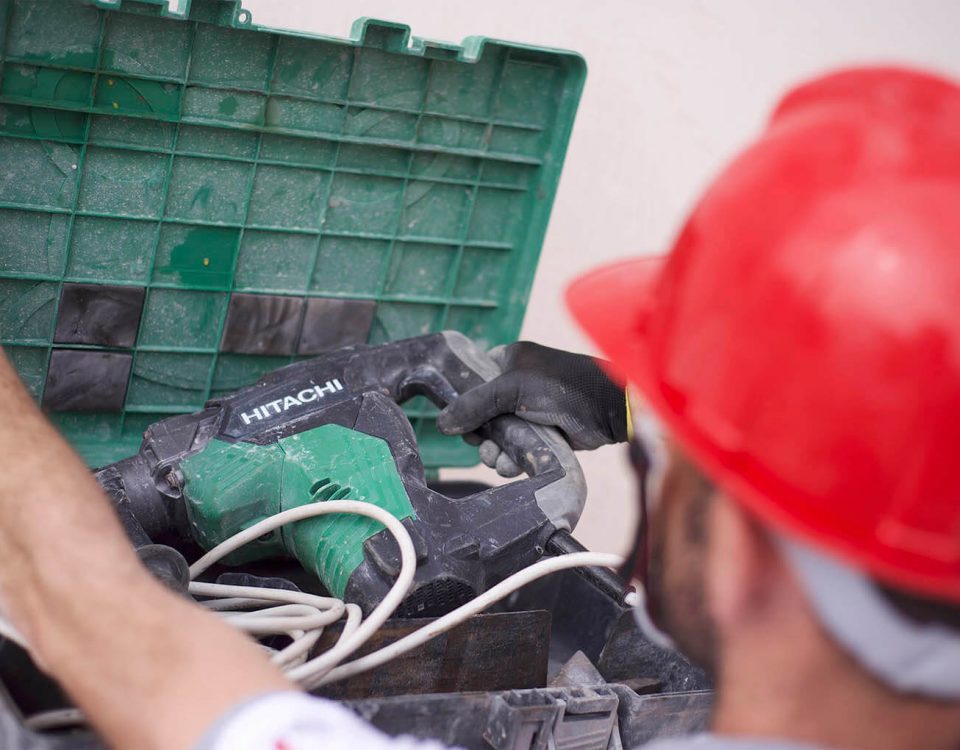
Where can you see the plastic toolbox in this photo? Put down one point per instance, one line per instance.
(188, 201)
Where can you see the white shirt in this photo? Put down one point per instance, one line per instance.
(295, 721)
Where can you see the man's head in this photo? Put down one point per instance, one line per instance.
(712, 566)
(801, 345)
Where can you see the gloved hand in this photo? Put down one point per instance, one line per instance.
(545, 386)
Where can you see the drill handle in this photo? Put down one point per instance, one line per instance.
(516, 436)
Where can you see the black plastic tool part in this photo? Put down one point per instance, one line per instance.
(99, 314)
(165, 563)
(588, 620)
(83, 380)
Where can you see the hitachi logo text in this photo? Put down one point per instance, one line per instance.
(313, 393)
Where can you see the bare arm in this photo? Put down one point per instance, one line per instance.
(148, 668)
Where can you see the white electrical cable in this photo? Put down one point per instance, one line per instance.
(348, 642)
(303, 512)
(282, 619)
(464, 612)
(256, 594)
(247, 597)
(303, 617)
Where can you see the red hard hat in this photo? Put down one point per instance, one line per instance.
(802, 339)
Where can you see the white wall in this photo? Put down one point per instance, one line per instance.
(675, 86)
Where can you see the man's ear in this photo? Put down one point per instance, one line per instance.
(742, 565)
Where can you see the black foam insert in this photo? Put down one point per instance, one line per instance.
(98, 314)
(82, 380)
(262, 324)
(332, 323)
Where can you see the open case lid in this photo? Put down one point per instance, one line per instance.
(188, 201)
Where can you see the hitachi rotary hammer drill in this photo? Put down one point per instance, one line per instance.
(332, 428)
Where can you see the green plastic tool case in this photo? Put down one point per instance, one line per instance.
(188, 201)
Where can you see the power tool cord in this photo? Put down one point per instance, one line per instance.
(302, 617)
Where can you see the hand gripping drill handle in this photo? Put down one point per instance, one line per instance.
(441, 367)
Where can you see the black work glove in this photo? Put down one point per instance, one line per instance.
(545, 386)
